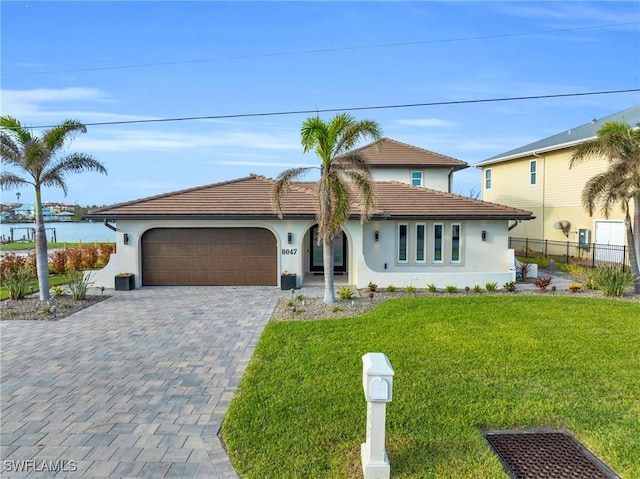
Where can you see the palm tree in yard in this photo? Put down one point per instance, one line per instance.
(619, 184)
(342, 175)
(42, 162)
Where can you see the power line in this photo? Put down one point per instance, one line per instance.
(357, 108)
(323, 50)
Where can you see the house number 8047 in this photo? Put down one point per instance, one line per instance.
(290, 251)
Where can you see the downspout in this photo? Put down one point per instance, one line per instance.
(450, 180)
(110, 226)
(544, 170)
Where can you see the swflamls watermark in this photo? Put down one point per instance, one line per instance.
(32, 465)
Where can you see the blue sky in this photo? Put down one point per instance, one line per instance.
(118, 61)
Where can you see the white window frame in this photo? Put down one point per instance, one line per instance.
(406, 244)
(421, 178)
(435, 228)
(487, 179)
(533, 172)
(422, 250)
(459, 249)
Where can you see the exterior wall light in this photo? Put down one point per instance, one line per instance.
(484, 235)
(290, 238)
(125, 238)
(376, 235)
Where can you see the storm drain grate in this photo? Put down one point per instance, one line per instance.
(545, 455)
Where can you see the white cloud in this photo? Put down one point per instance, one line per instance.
(427, 122)
(144, 140)
(576, 12)
(261, 163)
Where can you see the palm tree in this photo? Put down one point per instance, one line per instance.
(342, 175)
(41, 158)
(619, 143)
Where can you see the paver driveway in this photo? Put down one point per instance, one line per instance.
(135, 386)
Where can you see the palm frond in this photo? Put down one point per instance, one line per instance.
(10, 181)
(77, 163)
(364, 190)
(55, 180)
(56, 137)
(15, 129)
(282, 184)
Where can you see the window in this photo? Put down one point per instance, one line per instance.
(487, 179)
(421, 243)
(416, 178)
(455, 243)
(533, 165)
(437, 243)
(402, 243)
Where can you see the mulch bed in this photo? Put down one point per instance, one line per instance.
(31, 308)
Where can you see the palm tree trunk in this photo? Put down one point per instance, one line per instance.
(327, 262)
(42, 263)
(633, 256)
(636, 228)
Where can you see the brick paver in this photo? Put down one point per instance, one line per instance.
(135, 386)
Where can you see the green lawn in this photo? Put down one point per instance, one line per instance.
(462, 365)
(29, 245)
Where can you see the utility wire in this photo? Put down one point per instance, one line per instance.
(323, 50)
(357, 108)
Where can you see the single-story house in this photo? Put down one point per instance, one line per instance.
(228, 233)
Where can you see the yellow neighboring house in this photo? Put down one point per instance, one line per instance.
(536, 177)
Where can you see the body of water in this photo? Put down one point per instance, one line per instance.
(85, 232)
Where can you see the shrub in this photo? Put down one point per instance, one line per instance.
(477, 288)
(90, 255)
(300, 297)
(432, 288)
(543, 282)
(57, 291)
(390, 289)
(574, 287)
(524, 270)
(17, 282)
(345, 293)
(11, 262)
(451, 289)
(590, 283)
(30, 263)
(336, 309)
(510, 286)
(411, 289)
(372, 287)
(78, 284)
(58, 261)
(491, 286)
(74, 259)
(611, 279)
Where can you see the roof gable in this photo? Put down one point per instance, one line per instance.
(567, 138)
(388, 153)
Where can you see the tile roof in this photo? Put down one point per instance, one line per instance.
(566, 138)
(250, 198)
(388, 153)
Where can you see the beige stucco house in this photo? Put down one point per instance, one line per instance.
(228, 234)
(536, 177)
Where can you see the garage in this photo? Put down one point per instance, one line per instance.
(209, 257)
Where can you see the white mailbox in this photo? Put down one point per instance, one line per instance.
(377, 377)
(377, 381)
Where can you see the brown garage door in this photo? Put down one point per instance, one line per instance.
(209, 257)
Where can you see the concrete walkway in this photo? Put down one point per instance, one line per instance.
(135, 386)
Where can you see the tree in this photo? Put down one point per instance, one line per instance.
(344, 176)
(43, 162)
(619, 184)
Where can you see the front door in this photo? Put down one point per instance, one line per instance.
(339, 253)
